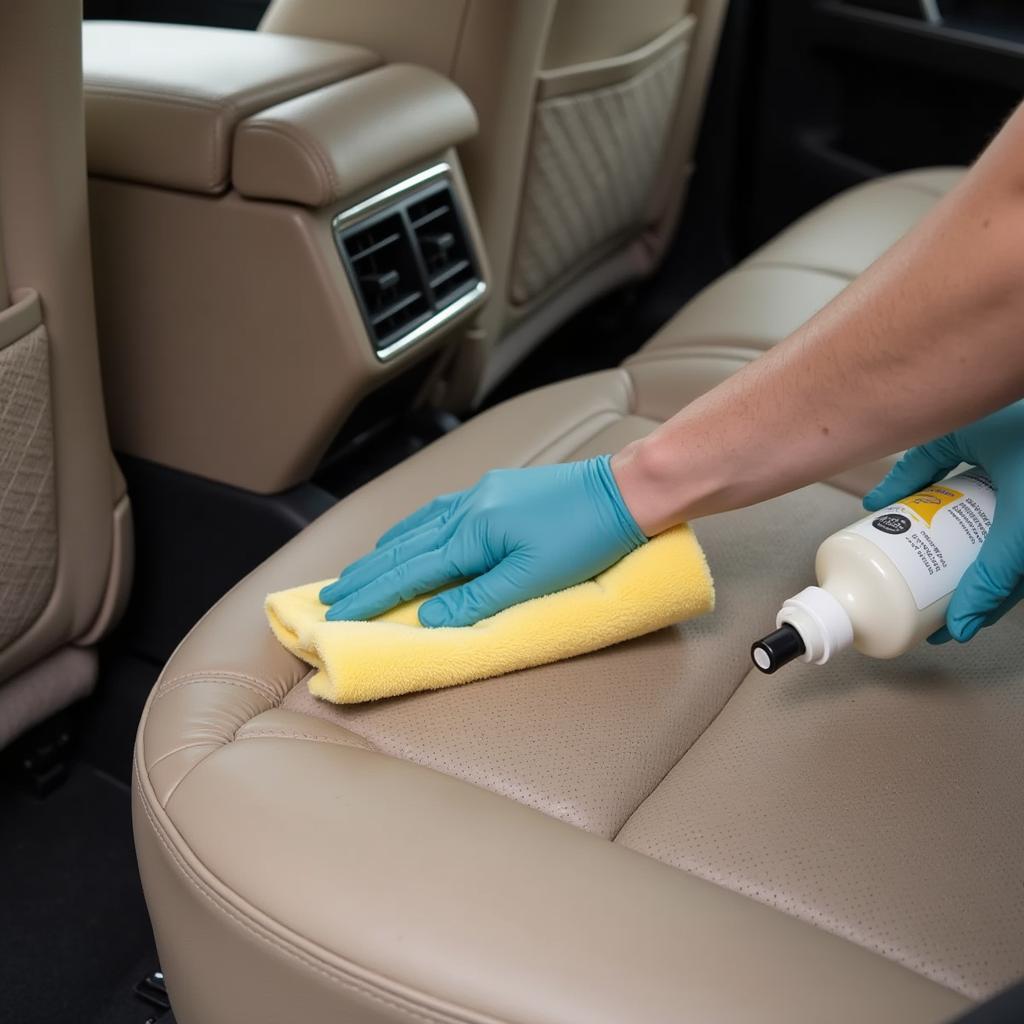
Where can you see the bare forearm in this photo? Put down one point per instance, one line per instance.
(928, 339)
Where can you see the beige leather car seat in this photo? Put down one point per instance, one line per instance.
(588, 110)
(781, 285)
(65, 524)
(649, 833)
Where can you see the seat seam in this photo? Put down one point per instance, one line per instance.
(687, 350)
(672, 767)
(304, 681)
(280, 943)
(600, 414)
(919, 186)
(732, 693)
(757, 263)
(809, 918)
(632, 398)
(283, 734)
(260, 686)
(178, 750)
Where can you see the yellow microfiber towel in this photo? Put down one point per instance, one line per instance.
(665, 581)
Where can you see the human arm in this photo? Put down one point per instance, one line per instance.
(925, 341)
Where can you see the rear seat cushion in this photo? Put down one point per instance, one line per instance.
(753, 306)
(785, 282)
(848, 233)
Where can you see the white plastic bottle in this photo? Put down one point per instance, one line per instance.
(885, 582)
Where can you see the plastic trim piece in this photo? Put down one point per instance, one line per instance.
(375, 204)
(23, 316)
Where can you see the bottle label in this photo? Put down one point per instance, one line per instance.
(935, 534)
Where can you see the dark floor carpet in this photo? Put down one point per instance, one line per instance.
(74, 920)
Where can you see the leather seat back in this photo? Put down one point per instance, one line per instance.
(64, 520)
(588, 117)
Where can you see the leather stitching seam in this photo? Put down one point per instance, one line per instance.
(759, 262)
(99, 88)
(261, 686)
(283, 734)
(178, 750)
(600, 414)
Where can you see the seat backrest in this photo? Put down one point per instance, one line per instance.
(61, 500)
(588, 112)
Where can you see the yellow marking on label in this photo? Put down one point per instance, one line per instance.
(932, 499)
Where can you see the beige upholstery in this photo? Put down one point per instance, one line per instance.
(787, 281)
(245, 291)
(162, 101)
(383, 889)
(327, 145)
(836, 843)
(64, 517)
(28, 519)
(241, 303)
(588, 116)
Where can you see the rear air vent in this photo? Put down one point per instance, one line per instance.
(382, 265)
(411, 265)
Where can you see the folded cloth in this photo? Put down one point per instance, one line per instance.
(665, 581)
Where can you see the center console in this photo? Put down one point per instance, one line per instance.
(280, 226)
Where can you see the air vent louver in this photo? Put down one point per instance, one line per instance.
(442, 243)
(408, 264)
(386, 278)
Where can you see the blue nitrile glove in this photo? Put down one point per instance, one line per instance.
(518, 534)
(995, 582)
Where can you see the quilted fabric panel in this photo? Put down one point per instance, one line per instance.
(28, 528)
(593, 160)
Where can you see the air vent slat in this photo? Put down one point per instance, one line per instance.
(395, 308)
(426, 218)
(362, 254)
(446, 275)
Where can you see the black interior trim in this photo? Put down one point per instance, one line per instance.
(195, 539)
(956, 49)
(1005, 1008)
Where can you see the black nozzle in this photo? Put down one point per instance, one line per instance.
(777, 649)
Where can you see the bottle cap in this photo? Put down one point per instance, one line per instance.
(777, 649)
(812, 625)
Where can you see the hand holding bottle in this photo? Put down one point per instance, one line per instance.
(995, 582)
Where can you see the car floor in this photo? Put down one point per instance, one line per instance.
(77, 937)
(73, 914)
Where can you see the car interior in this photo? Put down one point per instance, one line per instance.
(272, 276)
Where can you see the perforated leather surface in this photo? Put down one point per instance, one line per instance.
(28, 532)
(587, 740)
(881, 801)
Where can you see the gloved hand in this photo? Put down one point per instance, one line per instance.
(518, 534)
(995, 581)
